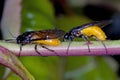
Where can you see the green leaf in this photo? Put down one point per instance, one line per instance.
(2, 71)
(101, 71)
(42, 67)
(77, 61)
(96, 69)
(68, 22)
(37, 15)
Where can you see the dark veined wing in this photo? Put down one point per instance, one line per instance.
(47, 34)
(59, 33)
(100, 24)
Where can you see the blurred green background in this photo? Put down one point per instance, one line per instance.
(65, 14)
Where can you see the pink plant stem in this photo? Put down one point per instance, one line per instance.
(76, 49)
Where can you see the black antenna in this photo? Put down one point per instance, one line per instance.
(11, 34)
(11, 40)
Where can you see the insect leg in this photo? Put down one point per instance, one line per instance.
(88, 41)
(37, 50)
(68, 47)
(49, 49)
(103, 45)
(20, 50)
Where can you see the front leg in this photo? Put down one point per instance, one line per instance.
(20, 50)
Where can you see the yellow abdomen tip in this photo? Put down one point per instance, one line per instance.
(50, 42)
(94, 31)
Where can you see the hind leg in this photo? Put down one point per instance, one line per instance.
(37, 50)
(102, 44)
(88, 42)
(49, 49)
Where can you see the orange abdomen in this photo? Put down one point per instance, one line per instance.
(50, 42)
(94, 31)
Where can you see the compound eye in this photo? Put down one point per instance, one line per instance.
(66, 36)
